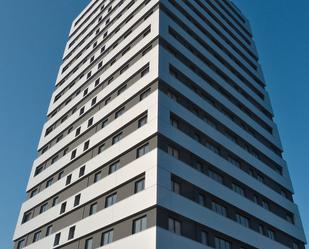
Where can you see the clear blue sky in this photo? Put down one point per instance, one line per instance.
(32, 39)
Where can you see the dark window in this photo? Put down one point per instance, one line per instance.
(57, 239)
(142, 121)
(93, 208)
(82, 171)
(49, 230)
(73, 154)
(68, 180)
(86, 145)
(76, 200)
(139, 186)
(63, 207)
(139, 224)
(174, 226)
(111, 200)
(98, 176)
(71, 233)
(113, 167)
(142, 150)
(37, 236)
(107, 237)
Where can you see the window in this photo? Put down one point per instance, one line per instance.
(107, 237)
(144, 94)
(174, 226)
(38, 170)
(218, 208)
(111, 200)
(119, 113)
(139, 224)
(100, 64)
(122, 89)
(104, 123)
(201, 199)
(265, 205)
(90, 122)
(176, 187)
(54, 159)
(68, 180)
(142, 150)
(94, 101)
(76, 200)
(37, 236)
(239, 190)
(215, 176)
(93, 208)
(33, 193)
(97, 82)
(242, 220)
(174, 123)
(139, 186)
(117, 138)
(57, 239)
(222, 244)
(77, 132)
(261, 229)
(97, 176)
(27, 217)
(173, 152)
(290, 218)
(21, 244)
(88, 244)
(49, 182)
(144, 72)
(113, 167)
(101, 148)
(43, 208)
(89, 74)
(86, 145)
(142, 121)
(204, 238)
(49, 230)
(71, 233)
(270, 234)
(55, 201)
(82, 171)
(295, 246)
(73, 154)
(63, 207)
(65, 151)
(107, 100)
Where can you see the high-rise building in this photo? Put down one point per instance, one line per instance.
(160, 135)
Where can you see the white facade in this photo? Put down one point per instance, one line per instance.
(160, 135)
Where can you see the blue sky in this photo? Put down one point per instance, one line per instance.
(32, 39)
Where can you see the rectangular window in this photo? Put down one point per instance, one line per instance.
(73, 154)
(44, 208)
(21, 244)
(113, 167)
(68, 180)
(121, 90)
(49, 182)
(117, 138)
(82, 171)
(139, 225)
(76, 200)
(215, 176)
(71, 233)
(107, 100)
(270, 234)
(201, 199)
(144, 72)
(37, 236)
(176, 188)
(98, 176)
(55, 201)
(139, 186)
(57, 239)
(82, 111)
(49, 230)
(239, 190)
(104, 123)
(63, 207)
(142, 121)
(77, 132)
(173, 152)
(222, 244)
(101, 148)
(204, 238)
(111, 200)
(27, 217)
(242, 220)
(107, 238)
(218, 208)
(89, 244)
(174, 226)
(142, 150)
(93, 208)
(90, 122)
(86, 145)
(94, 101)
(119, 113)
(144, 94)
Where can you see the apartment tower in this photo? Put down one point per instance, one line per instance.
(160, 135)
